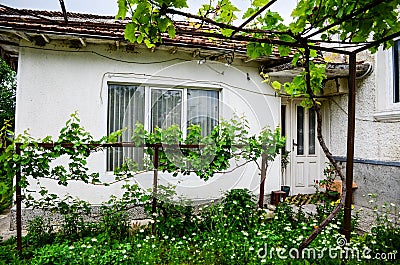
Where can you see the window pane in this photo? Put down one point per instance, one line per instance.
(166, 108)
(283, 120)
(311, 134)
(396, 91)
(300, 130)
(203, 109)
(125, 108)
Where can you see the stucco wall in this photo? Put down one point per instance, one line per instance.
(56, 81)
(375, 139)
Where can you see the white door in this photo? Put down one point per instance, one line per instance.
(305, 159)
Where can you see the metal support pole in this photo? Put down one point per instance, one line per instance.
(262, 182)
(155, 180)
(350, 146)
(18, 200)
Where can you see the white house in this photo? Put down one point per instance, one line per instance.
(86, 66)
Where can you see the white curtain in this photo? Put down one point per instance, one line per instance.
(125, 108)
(166, 108)
(203, 109)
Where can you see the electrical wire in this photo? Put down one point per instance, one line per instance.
(358, 118)
(107, 57)
(368, 72)
(146, 77)
(148, 63)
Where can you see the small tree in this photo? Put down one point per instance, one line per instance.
(7, 93)
(7, 113)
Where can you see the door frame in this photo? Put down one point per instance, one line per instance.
(290, 123)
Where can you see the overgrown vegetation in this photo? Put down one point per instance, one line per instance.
(229, 143)
(7, 113)
(8, 86)
(231, 231)
(210, 236)
(360, 25)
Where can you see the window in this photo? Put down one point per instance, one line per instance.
(300, 130)
(396, 77)
(127, 105)
(305, 126)
(388, 84)
(311, 132)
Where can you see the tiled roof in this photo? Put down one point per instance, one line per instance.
(105, 27)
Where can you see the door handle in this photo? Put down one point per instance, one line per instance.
(294, 144)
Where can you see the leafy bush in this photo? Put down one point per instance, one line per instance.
(230, 231)
(6, 173)
(211, 235)
(39, 232)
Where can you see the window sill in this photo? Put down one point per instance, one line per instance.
(391, 115)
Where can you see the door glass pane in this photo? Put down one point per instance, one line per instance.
(283, 120)
(311, 131)
(203, 109)
(125, 109)
(300, 130)
(165, 108)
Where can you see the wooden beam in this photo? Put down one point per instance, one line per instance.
(173, 50)
(253, 17)
(64, 10)
(83, 42)
(24, 36)
(45, 38)
(346, 18)
(351, 125)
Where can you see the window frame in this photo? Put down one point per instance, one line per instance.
(148, 101)
(385, 82)
(396, 73)
(148, 88)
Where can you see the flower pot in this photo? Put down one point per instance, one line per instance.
(286, 189)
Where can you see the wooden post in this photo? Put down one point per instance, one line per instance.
(350, 146)
(155, 183)
(262, 182)
(18, 201)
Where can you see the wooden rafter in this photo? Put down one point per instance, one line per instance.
(251, 18)
(64, 11)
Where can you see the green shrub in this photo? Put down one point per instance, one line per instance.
(40, 232)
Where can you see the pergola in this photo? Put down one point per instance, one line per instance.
(310, 39)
